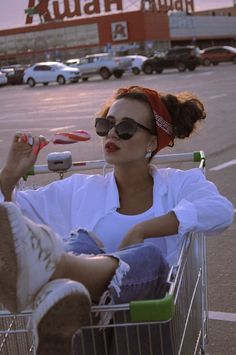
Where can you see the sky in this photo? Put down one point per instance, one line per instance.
(12, 11)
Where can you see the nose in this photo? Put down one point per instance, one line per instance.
(112, 132)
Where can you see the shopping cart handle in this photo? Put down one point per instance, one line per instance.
(196, 157)
(153, 310)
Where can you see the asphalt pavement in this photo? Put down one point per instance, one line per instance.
(48, 109)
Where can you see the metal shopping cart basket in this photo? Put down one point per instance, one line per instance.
(173, 325)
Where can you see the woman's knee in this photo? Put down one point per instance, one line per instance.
(146, 249)
(83, 242)
(144, 255)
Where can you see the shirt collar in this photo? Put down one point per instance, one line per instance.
(112, 197)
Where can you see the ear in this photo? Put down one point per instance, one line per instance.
(152, 144)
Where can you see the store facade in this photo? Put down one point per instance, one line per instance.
(60, 30)
(61, 34)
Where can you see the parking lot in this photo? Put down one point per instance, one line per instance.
(48, 109)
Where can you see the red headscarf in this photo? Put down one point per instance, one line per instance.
(162, 117)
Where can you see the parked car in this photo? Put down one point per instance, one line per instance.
(181, 58)
(137, 62)
(3, 79)
(218, 54)
(16, 75)
(47, 72)
(103, 64)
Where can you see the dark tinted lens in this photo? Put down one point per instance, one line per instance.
(126, 129)
(103, 126)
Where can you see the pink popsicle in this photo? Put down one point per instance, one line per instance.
(70, 137)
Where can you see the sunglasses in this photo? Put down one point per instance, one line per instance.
(124, 129)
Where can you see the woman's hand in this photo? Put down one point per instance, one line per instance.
(134, 236)
(22, 155)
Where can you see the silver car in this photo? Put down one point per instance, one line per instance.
(103, 64)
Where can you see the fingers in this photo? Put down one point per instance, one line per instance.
(39, 143)
(36, 142)
(24, 138)
(43, 141)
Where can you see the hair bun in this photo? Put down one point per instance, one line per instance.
(186, 111)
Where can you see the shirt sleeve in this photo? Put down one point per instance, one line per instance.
(50, 205)
(200, 207)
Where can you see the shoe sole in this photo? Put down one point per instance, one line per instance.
(60, 323)
(8, 263)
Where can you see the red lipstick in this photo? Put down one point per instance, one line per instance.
(111, 147)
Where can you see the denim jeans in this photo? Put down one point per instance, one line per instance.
(141, 274)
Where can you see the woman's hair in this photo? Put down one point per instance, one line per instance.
(185, 109)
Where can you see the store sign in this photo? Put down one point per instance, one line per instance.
(58, 10)
(167, 5)
(119, 31)
(54, 10)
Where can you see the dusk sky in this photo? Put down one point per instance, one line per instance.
(12, 11)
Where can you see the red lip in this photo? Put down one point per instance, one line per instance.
(111, 147)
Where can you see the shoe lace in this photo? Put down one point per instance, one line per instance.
(44, 251)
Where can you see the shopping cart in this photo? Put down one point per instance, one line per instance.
(173, 325)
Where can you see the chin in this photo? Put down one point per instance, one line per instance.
(113, 160)
(109, 159)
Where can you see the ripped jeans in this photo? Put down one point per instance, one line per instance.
(141, 274)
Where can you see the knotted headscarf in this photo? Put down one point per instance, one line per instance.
(164, 128)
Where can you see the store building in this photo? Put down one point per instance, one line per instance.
(66, 34)
(203, 31)
(59, 30)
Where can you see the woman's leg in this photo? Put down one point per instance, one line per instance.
(147, 275)
(93, 268)
(33, 254)
(140, 273)
(137, 272)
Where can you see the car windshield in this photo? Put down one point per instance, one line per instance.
(160, 54)
(83, 60)
(59, 66)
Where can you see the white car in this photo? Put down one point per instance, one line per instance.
(137, 62)
(3, 79)
(48, 72)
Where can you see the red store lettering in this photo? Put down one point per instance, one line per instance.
(56, 13)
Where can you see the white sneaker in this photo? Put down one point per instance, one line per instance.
(61, 307)
(29, 254)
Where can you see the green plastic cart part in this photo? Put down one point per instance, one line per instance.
(153, 310)
(198, 156)
(31, 172)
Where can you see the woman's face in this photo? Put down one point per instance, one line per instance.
(120, 151)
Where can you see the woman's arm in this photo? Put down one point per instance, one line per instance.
(200, 207)
(194, 204)
(165, 225)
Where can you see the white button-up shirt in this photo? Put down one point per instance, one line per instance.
(82, 200)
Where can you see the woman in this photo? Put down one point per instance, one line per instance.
(138, 213)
